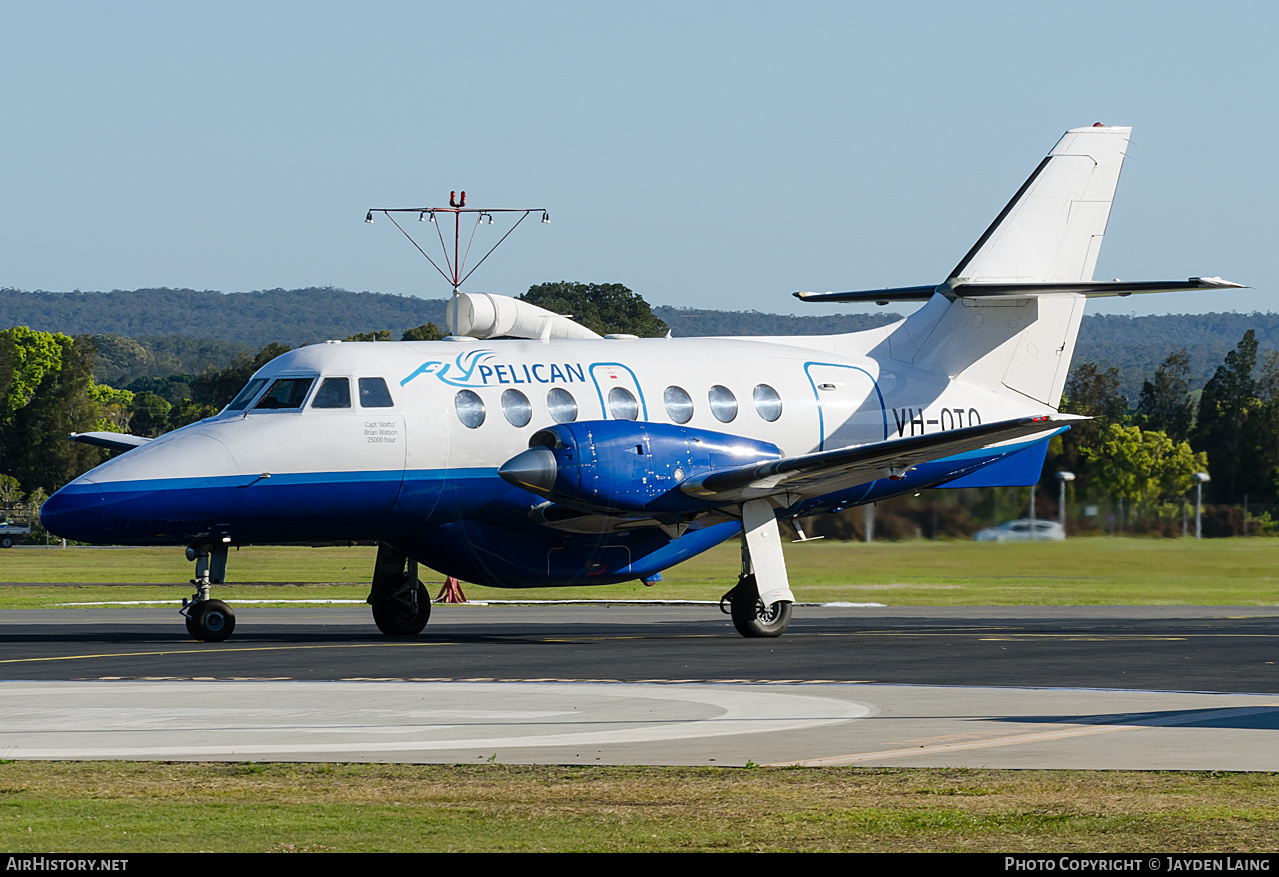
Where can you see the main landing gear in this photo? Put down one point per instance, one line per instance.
(760, 603)
(401, 604)
(750, 616)
(208, 620)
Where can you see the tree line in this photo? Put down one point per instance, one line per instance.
(1146, 457)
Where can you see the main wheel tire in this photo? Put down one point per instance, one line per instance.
(6, 542)
(394, 618)
(210, 621)
(751, 617)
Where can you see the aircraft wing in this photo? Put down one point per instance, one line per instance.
(115, 441)
(829, 471)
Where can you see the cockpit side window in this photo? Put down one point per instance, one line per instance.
(286, 394)
(333, 393)
(374, 394)
(241, 401)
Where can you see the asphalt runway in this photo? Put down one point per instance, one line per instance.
(1188, 688)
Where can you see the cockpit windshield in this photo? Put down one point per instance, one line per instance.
(241, 401)
(285, 394)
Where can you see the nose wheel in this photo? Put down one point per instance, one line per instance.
(208, 620)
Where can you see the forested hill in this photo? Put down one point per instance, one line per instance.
(304, 316)
(690, 322)
(286, 316)
(1136, 345)
(212, 326)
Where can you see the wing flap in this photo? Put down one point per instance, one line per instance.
(828, 471)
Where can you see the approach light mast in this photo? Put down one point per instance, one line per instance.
(456, 273)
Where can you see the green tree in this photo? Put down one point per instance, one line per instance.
(429, 332)
(10, 491)
(113, 407)
(1092, 393)
(1266, 425)
(1230, 427)
(36, 450)
(606, 308)
(26, 356)
(35, 500)
(150, 415)
(379, 335)
(191, 411)
(1095, 393)
(1164, 404)
(1142, 467)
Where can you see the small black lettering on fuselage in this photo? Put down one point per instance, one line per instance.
(914, 421)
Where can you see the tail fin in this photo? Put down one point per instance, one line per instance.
(1052, 228)
(1007, 317)
(1050, 232)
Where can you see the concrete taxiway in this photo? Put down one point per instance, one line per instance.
(1168, 688)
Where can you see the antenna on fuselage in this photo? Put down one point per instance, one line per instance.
(456, 273)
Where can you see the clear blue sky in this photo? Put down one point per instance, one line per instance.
(716, 155)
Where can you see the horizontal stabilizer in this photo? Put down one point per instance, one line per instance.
(953, 290)
(115, 441)
(829, 471)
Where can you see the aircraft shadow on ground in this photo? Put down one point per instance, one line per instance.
(1241, 718)
(177, 637)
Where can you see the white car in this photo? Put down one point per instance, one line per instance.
(1024, 530)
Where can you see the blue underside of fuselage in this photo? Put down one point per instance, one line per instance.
(463, 522)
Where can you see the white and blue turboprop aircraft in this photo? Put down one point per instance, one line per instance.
(525, 451)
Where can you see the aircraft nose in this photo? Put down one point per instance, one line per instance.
(178, 488)
(74, 512)
(533, 470)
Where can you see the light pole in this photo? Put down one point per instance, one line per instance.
(1062, 478)
(1200, 478)
(1032, 511)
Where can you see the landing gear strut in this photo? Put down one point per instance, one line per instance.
(401, 604)
(761, 601)
(210, 621)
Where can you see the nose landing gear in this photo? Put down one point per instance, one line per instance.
(210, 621)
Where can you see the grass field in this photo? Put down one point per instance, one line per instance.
(1100, 570)
(132, 807)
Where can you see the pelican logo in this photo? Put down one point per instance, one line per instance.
(476, 368)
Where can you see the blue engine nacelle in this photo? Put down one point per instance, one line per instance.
(627, 466)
